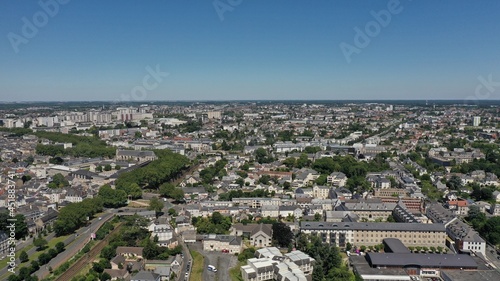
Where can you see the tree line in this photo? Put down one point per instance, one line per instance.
(167, 167)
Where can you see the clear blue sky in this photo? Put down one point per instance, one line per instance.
(262, 49)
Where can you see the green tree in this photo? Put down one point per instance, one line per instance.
(23, 257)
(60, 247)
(40, 243)
(155, 204)
(172, 212)
(282, 235)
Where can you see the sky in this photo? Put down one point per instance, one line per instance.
(93, 50)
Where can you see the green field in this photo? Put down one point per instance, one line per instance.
(235, 273)
(198, 264)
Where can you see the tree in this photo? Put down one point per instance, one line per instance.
(23, 257)
(105, 276)
(112, 198)
(317, 216)
(282, 234)
(155, 204)
(107, 167)
(172, 212)
(454, 183)
(98, 169)
(321, 180)
(58, 181)
(40, 243)
(150, 250)
(59, 247)
(138, 134)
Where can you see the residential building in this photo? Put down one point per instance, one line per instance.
(271, 264)
(232, 244)
(145, 276)
(260, 235)
(369, 234)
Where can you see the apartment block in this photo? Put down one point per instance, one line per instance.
(370, 234)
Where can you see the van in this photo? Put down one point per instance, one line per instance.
(211, 268)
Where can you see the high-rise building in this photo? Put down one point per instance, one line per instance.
(476, 121)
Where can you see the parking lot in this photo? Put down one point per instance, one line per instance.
(222, 261)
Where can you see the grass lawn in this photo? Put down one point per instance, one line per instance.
(51, 244)
(198, 264)
(235, 272)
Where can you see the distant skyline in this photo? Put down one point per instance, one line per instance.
(127, 50)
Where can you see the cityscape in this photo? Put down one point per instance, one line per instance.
(235, 140)
(251, 190)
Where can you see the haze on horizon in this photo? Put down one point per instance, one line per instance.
(248, 49)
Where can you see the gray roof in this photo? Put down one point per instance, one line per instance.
(146, 276)
(136, 153)
(396, 246)
(311, 225)
(422, 260)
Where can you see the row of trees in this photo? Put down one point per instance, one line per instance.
(44, 258)
(167, 167)
(76, 215)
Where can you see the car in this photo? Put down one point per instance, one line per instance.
(187, 274)
(498, 257)
(100, 218)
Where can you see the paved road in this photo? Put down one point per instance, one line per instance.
(73, 248)
(492, 257)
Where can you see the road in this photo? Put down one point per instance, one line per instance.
(77, 243)
(492, 257)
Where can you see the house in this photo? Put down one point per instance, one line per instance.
(260, 235)
(321, 192)
(118, 274)
(164, 232)
(460, 206)
(230, 243)
(130, 252)
(495, 209)
(4, 243)
(289, 211)
(271, 211)
(145, 276)
(337, 179)
(496, 196)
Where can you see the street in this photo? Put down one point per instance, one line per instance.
(71, 250)
(492, 256)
